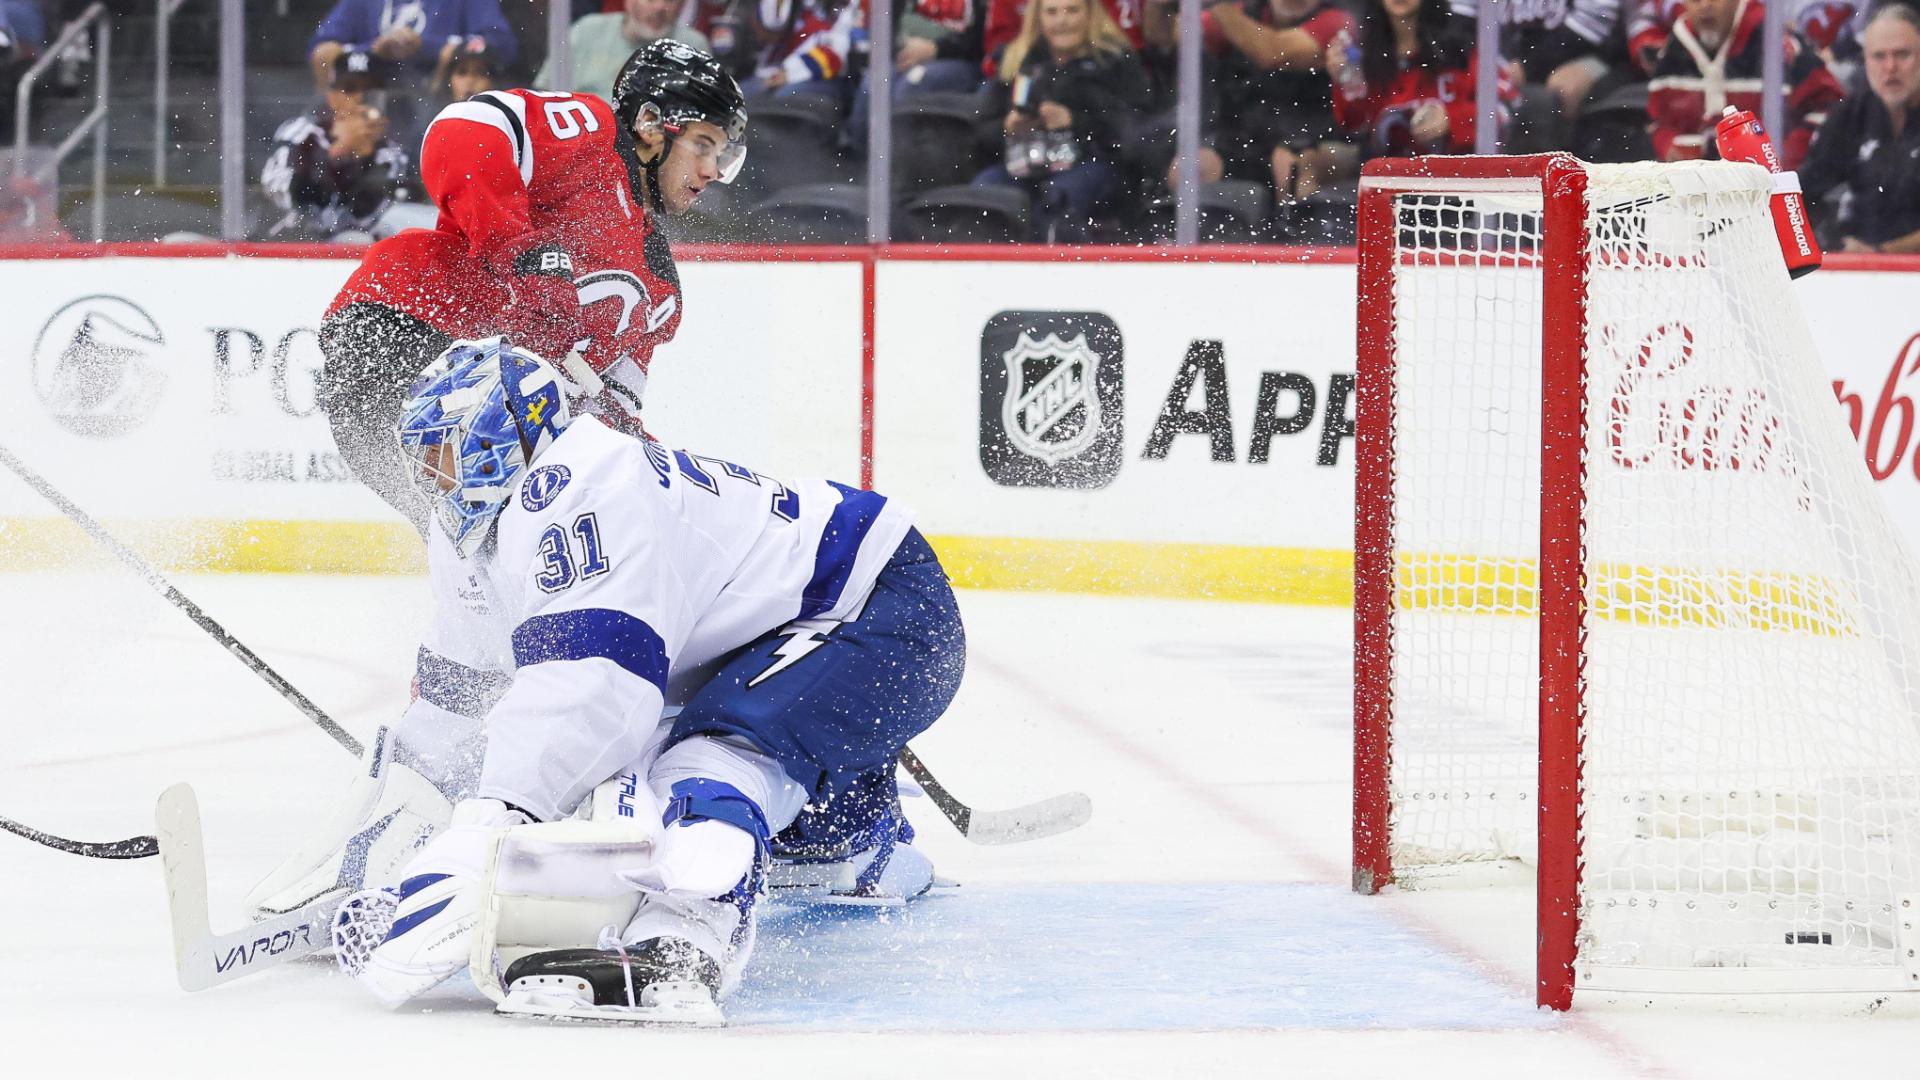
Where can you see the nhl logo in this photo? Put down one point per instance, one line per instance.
(1050, 399)
(1050, 410)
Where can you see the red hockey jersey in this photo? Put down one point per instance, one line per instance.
(1385, 114)
(510, 169)
(1691, 84)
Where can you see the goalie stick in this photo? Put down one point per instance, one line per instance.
(201, 957)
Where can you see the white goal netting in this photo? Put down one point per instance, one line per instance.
(1750, 765)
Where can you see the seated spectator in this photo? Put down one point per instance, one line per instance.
(806, 46)
(937, 50)
(411, 33)
(601, 43)
(1411, 89)
(939, 44)
(1649, 26)
(1565, 47)
(23, 33)
(1713, 60)
(1273, 103)
(465, 71)
(1865, 162)
(1832, 27)
(1006, 17)
(335, 173)
(1068, 84)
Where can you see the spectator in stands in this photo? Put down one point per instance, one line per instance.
(1272, 101)
(465, 71)
(1068, 84)
(1410, 90)
(408, 32)
(602, 42)
(335, 173)
(806, 47)
(1565, 46)
(1649, 26)
(1832, 27)
(937, 50)
(1006, 17)
(1713, 60)
(1865, 161)
(939, 44)
(23, 33)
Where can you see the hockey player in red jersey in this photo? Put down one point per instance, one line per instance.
(548, 234)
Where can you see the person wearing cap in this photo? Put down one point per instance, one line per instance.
(411, 33)
(467, 67)
(548, 234)
(602, 42)
(335, 173)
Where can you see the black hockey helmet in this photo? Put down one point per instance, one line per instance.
(678, 84)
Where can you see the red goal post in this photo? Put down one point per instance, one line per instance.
(1612, 553)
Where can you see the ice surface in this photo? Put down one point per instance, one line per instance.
(1200, 925)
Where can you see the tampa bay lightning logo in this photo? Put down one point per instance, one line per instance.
(541, 485)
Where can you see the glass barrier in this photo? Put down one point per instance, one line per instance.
(978, 121)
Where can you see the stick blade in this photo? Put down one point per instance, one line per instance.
(1035, 821)
(184, 866)
(203, 959)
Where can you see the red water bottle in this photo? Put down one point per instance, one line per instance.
(1741, 138)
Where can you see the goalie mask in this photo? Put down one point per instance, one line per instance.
(473, 422)
(671, 84)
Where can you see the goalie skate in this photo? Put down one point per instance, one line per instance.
(662, 981)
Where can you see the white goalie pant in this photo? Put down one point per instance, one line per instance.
(623, 876)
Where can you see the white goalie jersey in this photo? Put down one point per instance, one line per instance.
(617, 564)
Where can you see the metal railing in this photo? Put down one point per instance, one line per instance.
(162, 59)
(95, 122)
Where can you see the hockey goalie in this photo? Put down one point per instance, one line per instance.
(588, 852)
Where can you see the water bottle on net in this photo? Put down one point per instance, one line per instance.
(1741, 138)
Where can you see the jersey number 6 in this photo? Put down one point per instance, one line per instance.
(570, 118)
(558, 568)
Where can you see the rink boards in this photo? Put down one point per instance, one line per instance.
(1141, 422)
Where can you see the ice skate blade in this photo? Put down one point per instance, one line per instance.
(569, 999)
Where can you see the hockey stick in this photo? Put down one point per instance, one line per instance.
(192, 611)
(1048, 817)
(201, 957)
(140, 847)
(133, 847)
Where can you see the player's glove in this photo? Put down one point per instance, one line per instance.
(544, 317)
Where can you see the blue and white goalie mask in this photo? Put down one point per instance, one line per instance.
(473, 422)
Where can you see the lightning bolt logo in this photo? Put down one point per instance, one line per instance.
(801, 639)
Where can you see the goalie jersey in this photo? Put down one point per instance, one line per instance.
(618, 564)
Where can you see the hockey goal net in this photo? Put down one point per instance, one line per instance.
(1627, 606)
